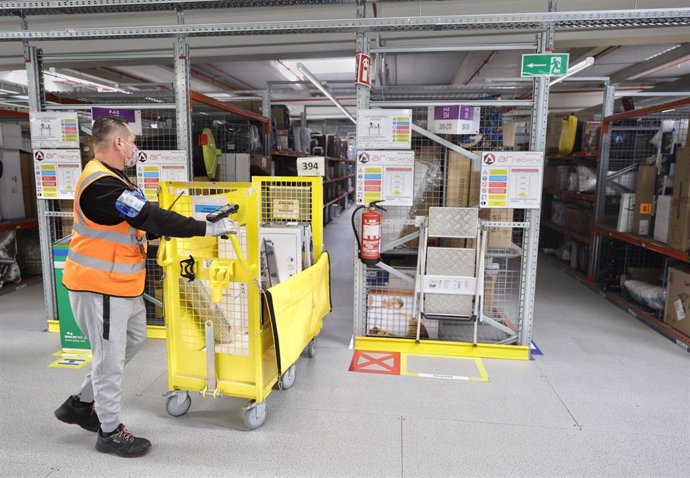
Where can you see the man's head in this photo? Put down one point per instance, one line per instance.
(113, 141)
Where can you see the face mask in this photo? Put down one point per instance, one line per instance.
(133, 158)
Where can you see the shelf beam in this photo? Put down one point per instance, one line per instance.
(642, 241)
(465, 24)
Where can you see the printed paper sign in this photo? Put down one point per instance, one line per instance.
(454, 119)
(384, 129)
(133, 117)
(387, 176)
(311, 166)
(156, 166)
(511, 179)
(57, 172)
(54, 130)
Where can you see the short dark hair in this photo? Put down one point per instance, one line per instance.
(104, 126)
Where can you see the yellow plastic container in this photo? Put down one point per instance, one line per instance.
(226, 336)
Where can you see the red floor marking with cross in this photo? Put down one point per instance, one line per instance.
(387, 363)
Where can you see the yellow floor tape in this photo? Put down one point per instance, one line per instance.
(483, 375)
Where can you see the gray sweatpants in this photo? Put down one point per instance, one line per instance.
(116, 328)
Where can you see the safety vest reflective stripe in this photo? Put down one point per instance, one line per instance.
(105, 266)
(119, 238)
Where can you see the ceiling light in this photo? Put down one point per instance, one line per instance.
(586, 63)
(80, 81)
(662, 52)
(325, 66)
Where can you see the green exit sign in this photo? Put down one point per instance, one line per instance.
(545, 64)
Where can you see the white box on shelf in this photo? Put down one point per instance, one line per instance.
(662, 218)
(285, 247)
(11, 136)
(626, 213)
(234, 167)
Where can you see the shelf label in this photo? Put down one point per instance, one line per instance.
(54, 130)
(511, 179)
(311, 166)
(156, 166)
(387, 176)
(680, 310)
(57, 172)
(545, 64)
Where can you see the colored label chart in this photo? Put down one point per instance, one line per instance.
(48, 181)
(70, 130)
(371, 188)
(402, 129)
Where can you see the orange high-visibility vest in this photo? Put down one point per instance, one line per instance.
(109, 260)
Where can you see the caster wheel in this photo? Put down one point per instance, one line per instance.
(178, 404)
(254, 414)
(287, 380)
(310, 351)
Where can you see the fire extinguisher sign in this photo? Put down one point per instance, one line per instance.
(363, 67)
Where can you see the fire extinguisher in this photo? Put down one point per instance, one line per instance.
(369, 245)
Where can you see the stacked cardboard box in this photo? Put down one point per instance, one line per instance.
(679, 226)
(646, 188)
(677, 311)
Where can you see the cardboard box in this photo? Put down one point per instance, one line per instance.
(677, 311)
(681, 179)
(679, 225)
(579, 220)
(550, 177)
(11, 136)
(28, 184)
(498, 237)
(650, 275)
(662, 218)
(644, 198)
(475, 182)
(458, 182)
(590, 136)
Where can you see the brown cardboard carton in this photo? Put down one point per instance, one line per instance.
(475, 186)
(679, 226)
(458, 184)
(677, 311)
(578, 220)
(681, 180)
(26, 161)
(498, 237)
(550, 177)
(457, 187)
(644, 207)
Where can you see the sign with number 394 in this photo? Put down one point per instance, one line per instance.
(311, 166)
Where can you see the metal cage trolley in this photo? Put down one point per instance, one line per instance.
(240, 309)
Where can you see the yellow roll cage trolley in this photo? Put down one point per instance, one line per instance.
(229, 330)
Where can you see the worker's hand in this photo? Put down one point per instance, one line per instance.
(219, 228)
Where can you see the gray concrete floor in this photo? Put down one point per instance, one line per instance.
(608, 398)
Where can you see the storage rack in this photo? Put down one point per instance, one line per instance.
(542, 24)
(638, 126)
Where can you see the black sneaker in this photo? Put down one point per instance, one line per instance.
(122, 443)
(76, 412)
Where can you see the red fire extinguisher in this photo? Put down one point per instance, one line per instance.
(369, 245)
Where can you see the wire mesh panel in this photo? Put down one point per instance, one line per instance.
(444, 178)
(644, 145)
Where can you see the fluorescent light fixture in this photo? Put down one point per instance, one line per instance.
(586, 63)
(8, 92)
(309, 76)
(325, 66)
(662, 52)
(80, 81)
(668, 111)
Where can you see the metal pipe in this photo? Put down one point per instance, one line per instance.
(138, 106)
(652, 93)
(412, 104)
(451, 48)
(308, 74)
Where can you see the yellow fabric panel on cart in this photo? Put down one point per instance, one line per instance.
(297, 307)
(566, 143)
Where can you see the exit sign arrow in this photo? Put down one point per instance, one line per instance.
(545, 64)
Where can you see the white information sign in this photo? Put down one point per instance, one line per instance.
(54, 130)
(156, 166)
(453, 119)
(57, 172)
(387, 176)
(311, 166)
(511, 179)
(384, 129)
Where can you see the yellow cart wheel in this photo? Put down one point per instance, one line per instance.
(287, 380)
(254, 414)
(178, 403)
(310, 351)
